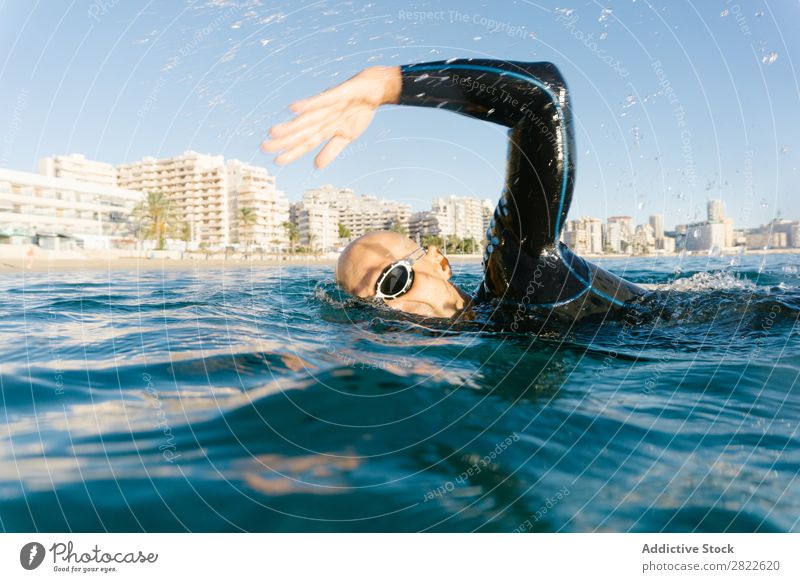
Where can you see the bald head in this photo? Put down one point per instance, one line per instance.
(363, 260)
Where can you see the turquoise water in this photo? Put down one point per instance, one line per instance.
(253, 399)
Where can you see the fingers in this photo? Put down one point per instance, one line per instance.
(293, 139)
(326, 99)
(332, 149)
(304, 120)
(301, 149)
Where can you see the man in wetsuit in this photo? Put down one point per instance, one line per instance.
(525, 265)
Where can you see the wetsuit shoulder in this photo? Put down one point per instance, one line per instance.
(523, 261)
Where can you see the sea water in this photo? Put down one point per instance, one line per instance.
(252, 399)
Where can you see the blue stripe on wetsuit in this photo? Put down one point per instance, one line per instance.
(557, 104)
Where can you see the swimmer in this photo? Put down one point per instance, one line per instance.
(525, 265)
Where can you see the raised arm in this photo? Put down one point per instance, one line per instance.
(532, 100)
(529, 98)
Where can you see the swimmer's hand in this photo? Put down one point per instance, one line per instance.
(337, 116)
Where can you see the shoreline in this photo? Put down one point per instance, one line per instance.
(42, 264)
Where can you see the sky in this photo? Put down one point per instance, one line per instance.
(674, 102)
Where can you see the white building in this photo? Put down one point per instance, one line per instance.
(584, 236)
(317, 225)
(361, 214)
(253, 188)
(657, 222)
(705, 236)
(422, 224)
(462, 217)
(644, 240)
(716, 211)
(612, 237)
(594, 235)
(61, 213)
(77, 167)
(626, 231)
(488, 213)
(196, 185)
(665, 244)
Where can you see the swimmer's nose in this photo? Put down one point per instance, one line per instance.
(439, 260)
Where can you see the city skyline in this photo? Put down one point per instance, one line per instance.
(211, 202)
(656, 131)
(45, 166)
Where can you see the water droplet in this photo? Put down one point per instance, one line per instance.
(634, 131)
(785, 150)
(640, 205)
(453, 60)
(604, 14)
(476, 38)
(603, 35)
(422, 77)
(490, 111)
(565, 11)
(433, 52)
(759, 14)
(265, 41)
(769, 58)
(724, 13)
(764, 203)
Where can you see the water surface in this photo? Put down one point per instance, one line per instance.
(253, 400)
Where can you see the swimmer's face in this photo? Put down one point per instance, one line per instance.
(431, 294)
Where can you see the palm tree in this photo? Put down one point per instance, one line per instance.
(344, 232)
(292, 234)
(154, 217)
(312, 247)
(398, 227)
(247, 218)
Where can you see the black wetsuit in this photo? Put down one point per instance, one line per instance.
(525, 265)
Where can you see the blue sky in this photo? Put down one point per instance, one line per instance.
(675, 102)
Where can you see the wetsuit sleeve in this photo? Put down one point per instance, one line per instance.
(532, 100)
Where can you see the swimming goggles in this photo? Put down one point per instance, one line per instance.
(397, 278)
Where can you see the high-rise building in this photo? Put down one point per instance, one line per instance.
(791, 228)
(266, 209)
(716, 210)
(60, 213)
(584, 236)
(77, 167)
(594, 235)
(458, 216)
(730, 241)
(612, 237)
(196, 186)
(644, 241)
(657, 222)
(626, 231)
(705, 236)
(422, 224)
(361, 214)
(317, 225)
(488, 213)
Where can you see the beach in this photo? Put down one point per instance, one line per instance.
(14, 259)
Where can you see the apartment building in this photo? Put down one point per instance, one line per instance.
(422, 224)
(317, 225)
(60, 213)
(361, 214)
(77, 167)
(253, 188)
(197, 186)
(458, 216)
